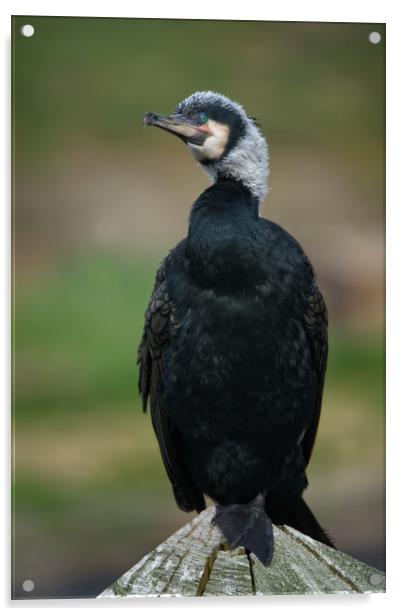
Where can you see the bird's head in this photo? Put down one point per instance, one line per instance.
(222, 137)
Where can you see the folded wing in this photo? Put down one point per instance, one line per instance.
(160, 326)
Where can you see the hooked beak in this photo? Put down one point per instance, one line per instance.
(178, 124)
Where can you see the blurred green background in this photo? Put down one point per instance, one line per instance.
(98, 202)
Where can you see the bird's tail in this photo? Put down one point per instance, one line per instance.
(247, 526)
(297, 514)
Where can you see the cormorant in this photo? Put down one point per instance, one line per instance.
(234, 348)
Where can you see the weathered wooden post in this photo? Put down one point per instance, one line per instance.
(195, 562)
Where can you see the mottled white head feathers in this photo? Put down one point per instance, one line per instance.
(234, 147)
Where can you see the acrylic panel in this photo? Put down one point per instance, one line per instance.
(99, 200)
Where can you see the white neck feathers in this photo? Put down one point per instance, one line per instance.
(247, 162)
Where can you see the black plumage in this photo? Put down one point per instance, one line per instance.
(233, 359)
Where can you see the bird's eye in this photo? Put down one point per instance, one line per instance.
(199, 118)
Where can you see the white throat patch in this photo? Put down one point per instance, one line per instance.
(247, 162)
(214, 145)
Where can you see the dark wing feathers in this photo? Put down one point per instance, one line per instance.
(159, 326)
(155, 336)
(316, 326)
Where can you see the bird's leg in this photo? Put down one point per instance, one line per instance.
(247, 525)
